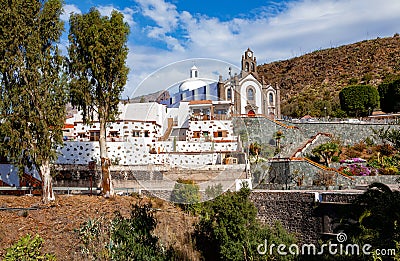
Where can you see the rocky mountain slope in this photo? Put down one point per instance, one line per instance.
(312, 82)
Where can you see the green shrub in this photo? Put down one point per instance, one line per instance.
(123, 238)
(228, 230)
(369, 141)
(132, 238)
(214, 191)
(186, 194)
(335, 159)
(94, 234)
(27, 249)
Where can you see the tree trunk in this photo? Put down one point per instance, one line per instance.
(106, 185)
(47, 186)
(327, 160)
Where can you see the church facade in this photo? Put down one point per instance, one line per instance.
(249, 94)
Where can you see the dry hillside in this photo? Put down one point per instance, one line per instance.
(57, 222)
(321, 75)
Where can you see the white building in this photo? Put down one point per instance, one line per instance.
(189, 128)
(196, 133)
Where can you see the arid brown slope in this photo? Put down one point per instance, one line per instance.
(323, 73)
(56, 223)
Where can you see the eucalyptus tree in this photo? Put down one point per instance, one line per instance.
(97, 54)
(33, 96)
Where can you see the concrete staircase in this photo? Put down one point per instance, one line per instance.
(314, 141)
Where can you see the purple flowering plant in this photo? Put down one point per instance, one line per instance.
(359, 170)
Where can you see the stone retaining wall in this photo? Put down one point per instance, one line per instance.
(295, 174)
(302, 213)
(348, 133)
(294, 210)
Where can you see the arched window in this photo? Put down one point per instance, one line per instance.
(250, 94)
(229, 93)
(271, 99)
(247, 67)
(252, 67)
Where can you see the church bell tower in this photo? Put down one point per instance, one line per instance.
(249, 63)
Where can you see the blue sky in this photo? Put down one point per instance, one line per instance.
(168, 31)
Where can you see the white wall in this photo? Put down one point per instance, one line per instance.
(244, 84)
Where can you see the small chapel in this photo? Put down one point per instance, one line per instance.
(249, 94)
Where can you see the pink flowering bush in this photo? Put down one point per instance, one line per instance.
(359, 170)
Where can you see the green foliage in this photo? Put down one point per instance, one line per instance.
(124, 238)
(389, 92)
(367, 78)
(369, 141)
(358, 100)
(388, 135)
(255, 150)
(339, 113)
(278, 136)
(386, 165)
(326, 151)
(33, 93)
(132, 238)
(27, 249)
(214, 191)
(97, 69)
(353, 81)
(94, 235)
(229, 225)
(378, 220)
(186, 194)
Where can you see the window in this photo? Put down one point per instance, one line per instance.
(250, 94)
(252, 67)
(114, 133)
(229, 93)
(146, 133)
(196, 134)
(220, 134)
(246, 67)
(271, 98)
(136, 133)
(94, 135)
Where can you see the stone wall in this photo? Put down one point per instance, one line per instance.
(294, 210)
(386, 179)
(296, 174)
(348, 133)
(262, 131)
(309, 215)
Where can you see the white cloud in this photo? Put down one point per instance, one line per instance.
(162, 13)
(128, 13)
(68, 9)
